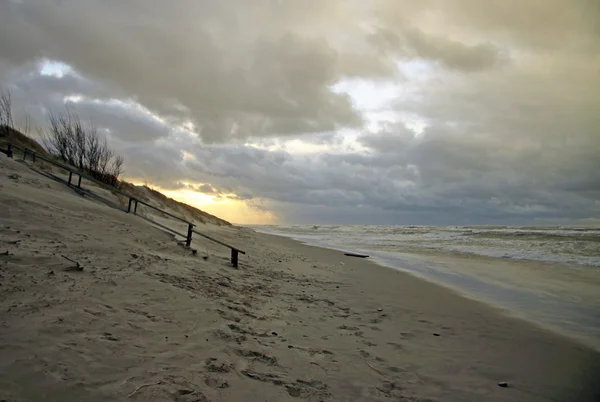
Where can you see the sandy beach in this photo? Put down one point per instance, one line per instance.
(145, 319)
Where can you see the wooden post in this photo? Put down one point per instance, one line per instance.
(79, 182)
(9, 153)
(129, 206)
(188, 241)
(70, 177)
(135, 208)
(24, 154)
(234, 257)
(33, 157)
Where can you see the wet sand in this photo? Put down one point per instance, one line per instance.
(147, 320)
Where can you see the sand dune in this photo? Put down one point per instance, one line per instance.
(147, 320)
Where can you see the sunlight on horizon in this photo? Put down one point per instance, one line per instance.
(232, 210)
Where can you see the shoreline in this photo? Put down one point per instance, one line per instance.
(448, 305)
(498, 309)
(491, 291)
(147, 319)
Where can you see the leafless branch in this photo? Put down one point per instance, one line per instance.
(81, 146)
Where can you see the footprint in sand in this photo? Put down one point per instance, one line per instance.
(263, 377)
(368, 343)
(215, 382)
(348, 330)
(396, 346)
(391, 389)
(241, 310)
(217, 366)
(219, 333)
(189, 395)
(299, 389)
(256, 356)
(228, 316)
(110, 337)
(313, 353)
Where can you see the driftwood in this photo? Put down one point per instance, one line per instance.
(356, 255)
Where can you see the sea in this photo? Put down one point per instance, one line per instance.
(547, 275)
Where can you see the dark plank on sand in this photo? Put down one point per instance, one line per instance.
(356, 255)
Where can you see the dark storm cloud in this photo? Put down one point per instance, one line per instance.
(422, 182)
(235, 75)
(507, 97)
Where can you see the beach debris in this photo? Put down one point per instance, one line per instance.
(436, 334)
(144, 386)
(134, 255)
(374, 369)
(5, 253)
(503, 384)
(125, 380)
(77, 266)
(356, 255)
(274, 333)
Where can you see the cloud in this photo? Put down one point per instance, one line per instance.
(438, 176)
(236, 77)
(414, 43)
(388, 111)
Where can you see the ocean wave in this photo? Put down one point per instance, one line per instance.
(552, 244)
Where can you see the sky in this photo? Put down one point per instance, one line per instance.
(413, 112)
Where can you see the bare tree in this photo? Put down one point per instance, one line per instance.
(6, 116)
(57, 140)
(80, 146)
(70, 140)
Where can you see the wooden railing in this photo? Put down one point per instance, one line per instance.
(132, 204)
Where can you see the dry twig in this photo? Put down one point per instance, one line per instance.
(77, 267)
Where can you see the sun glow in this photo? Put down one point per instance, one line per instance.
(224, 206)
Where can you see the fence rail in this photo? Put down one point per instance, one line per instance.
(132, 203)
